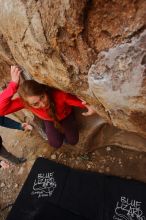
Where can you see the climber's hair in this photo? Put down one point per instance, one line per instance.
(34, 88)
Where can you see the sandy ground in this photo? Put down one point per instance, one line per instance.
(109, 160)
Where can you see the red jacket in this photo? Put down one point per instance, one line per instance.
(63, 103)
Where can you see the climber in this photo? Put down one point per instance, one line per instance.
(53, 106)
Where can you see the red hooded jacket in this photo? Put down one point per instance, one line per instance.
(63, 103)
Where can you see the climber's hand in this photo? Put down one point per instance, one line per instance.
(90, 109)
(15, 74)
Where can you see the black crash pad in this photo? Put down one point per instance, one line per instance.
(56, 192)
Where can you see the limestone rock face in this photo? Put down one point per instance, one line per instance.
(94, 49)
(117, 79)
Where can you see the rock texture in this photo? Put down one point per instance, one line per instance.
(117, 79)
(94, 49)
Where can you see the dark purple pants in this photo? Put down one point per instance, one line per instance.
(70, 135)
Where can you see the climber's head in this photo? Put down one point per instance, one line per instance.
(34, 94)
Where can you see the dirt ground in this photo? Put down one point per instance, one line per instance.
(109, 160)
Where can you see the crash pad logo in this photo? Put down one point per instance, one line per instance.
(44, 185)
(128, 210)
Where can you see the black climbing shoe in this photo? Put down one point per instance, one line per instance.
(10, 157)
(18, 160)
